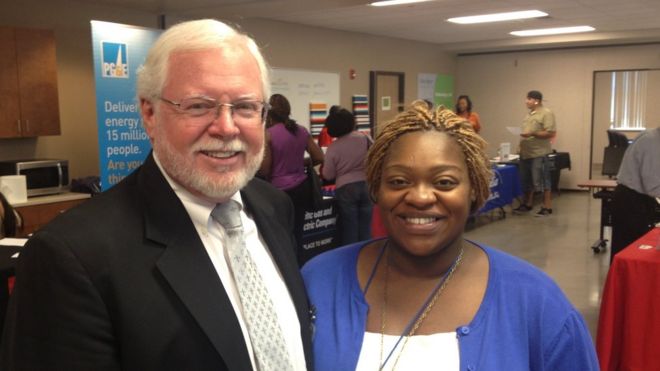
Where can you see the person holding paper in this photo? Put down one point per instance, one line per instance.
(537, 130)
(186, 264)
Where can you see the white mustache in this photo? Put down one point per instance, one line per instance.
(234, 145)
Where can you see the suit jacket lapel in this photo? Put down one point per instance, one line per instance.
(188, 269)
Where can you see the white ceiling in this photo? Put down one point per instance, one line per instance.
(616, 21)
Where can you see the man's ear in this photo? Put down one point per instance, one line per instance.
(148, 112)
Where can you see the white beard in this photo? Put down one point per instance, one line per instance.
(182, 170)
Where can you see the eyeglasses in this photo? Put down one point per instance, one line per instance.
(202, 110)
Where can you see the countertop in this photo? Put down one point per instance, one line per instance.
(49, 199)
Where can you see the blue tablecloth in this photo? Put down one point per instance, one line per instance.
(504, 187)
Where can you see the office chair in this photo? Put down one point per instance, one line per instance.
(617, 139)
(614, 152)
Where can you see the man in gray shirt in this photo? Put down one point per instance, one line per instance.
(635, 207)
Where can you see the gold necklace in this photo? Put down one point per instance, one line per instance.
(420, 317)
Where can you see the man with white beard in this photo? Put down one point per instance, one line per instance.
(188, 263)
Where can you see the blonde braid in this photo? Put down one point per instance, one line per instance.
(419, 118)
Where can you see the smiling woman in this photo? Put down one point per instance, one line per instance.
(425, 298)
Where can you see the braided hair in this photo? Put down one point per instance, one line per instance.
(419, 117)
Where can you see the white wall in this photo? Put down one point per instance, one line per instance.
(498, 83)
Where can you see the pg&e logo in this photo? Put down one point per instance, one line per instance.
(114, 60)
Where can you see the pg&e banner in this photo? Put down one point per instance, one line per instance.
(118, 52)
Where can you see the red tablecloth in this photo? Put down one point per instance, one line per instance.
(629, 324)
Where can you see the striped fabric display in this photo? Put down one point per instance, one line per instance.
(361, 112)
(317, 115)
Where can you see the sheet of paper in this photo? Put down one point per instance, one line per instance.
(13, 241)
(515, 130)
(15, 256)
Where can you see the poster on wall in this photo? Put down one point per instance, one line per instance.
(436, 88)
(118, 51)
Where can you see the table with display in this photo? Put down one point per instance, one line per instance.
(320, 227)
(603, 189)
(504, 188)
(558, 162)
(629, 323)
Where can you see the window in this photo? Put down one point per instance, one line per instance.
(628, 106)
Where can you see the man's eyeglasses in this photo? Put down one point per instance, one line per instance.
(203, 110)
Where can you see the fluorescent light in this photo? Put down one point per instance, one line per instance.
(553, 31)
(498, 17)
(396, 2)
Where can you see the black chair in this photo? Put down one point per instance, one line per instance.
(618, 143)
(558, 161)
(617, 139)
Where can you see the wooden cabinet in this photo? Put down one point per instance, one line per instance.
(36, 216)
(29, 104)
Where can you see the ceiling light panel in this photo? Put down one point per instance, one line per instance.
(396, 2)
(553, 31)
(498, 17)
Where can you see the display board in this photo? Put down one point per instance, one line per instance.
(118, 51)
(302, 87)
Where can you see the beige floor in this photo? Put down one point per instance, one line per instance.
(559, 244)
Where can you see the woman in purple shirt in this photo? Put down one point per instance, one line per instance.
(284, 157)
(345, 162)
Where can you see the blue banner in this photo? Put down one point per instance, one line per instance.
(118, 51)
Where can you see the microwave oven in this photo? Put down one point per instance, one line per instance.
(42, 176)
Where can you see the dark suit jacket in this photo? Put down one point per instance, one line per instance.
(124, 282)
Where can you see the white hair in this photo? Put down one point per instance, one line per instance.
(192, 35)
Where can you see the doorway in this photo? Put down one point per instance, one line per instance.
(386, 91)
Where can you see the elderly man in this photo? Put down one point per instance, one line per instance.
(187, 264)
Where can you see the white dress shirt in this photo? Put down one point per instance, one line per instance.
(212, 235)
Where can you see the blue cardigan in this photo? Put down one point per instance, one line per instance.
(524, 322)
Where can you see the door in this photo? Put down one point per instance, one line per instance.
(386, 95)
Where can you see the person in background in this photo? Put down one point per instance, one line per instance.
(635, 205)
(10, 222)
(345, 163)
(324, 138)
(535, 146)
(464, 110)
(284, 158)
(187, 263)
(425, 298)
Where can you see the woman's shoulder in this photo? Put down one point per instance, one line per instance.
(513, 272)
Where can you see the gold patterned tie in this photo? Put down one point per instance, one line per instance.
(263, 326)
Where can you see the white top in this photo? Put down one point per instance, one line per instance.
(437, 352)
(213, 235)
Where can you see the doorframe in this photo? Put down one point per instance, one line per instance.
(373, 77)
